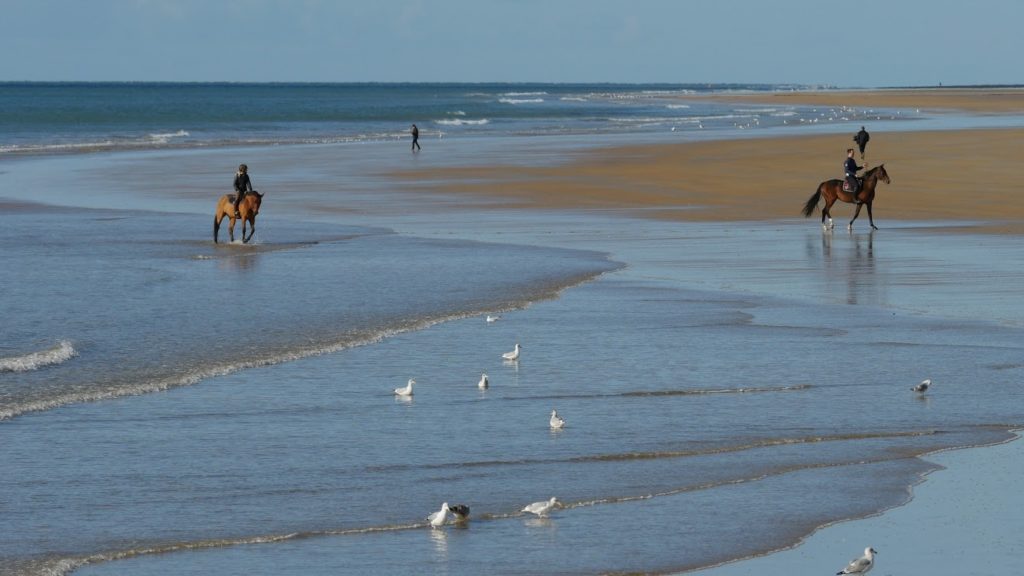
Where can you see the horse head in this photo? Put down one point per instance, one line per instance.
(879, 173)
(257, 199)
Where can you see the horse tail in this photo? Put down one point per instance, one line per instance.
(812, 202)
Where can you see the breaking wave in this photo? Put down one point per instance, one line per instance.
(62, 352)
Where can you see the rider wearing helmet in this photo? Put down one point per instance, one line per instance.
(242, 185)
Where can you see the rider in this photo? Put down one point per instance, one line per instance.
(242, 185)
(861, 139)
(851, 168)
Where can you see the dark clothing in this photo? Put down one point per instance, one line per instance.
(861, 139)
(851, 169)
(415, 138)
(242, 185)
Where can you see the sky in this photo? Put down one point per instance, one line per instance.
(867, 43)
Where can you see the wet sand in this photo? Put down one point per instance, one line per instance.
(956, 175)
(963, 520)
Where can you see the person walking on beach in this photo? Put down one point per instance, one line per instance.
(242, 185)
(851, 168)
(861, 139)
(415, 138)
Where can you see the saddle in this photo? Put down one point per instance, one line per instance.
(846, 184)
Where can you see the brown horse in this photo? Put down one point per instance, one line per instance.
(832, 190)
(248, 208)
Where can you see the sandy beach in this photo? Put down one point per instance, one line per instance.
(956, 175)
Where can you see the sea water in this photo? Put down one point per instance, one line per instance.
(174, 406)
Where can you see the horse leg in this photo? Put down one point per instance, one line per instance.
(871, 217)
(231, 227)
(855, 214)
(216, 224)
(252, 228)
(827, 212)
(244, 222)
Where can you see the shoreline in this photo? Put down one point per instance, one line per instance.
(924, 526)
(988, 100)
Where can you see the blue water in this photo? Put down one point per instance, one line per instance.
(77, 117)
(171, 406)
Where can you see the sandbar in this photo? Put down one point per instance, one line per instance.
(959, 176)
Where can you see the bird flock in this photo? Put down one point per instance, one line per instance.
(459, 513)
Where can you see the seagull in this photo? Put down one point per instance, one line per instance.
(541, 508)
(405, 390)
(460, 511)
(492, 319)
(861, 565)
(556, 421)
(483, 383)
(437, 519)
(923, 386)
(513, 355)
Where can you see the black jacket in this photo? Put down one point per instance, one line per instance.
(242, 183)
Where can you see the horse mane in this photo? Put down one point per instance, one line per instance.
(872, 171)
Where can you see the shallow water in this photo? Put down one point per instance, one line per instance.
(731, 388)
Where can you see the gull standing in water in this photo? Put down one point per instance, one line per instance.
(513, 355)
(541, 508)
(483, 383)
(923, 386)
(556, 422)
(493, 319)
(437, 519)
(460, 512)
(405, 390)
(861, 565)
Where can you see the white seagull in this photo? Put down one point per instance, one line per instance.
(923, 386)
(405, 390)
(483, 383)
(437, 519)
(541, 508)
(513, 355)
(861, 565)
(492, 319)
(556, 422)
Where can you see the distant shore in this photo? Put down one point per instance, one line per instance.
(953, 175)
(1006, 100)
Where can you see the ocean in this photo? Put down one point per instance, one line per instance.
(170, 406)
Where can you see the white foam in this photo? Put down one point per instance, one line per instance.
(166, 137)
(461, 122)
(573, 99)
(526, 93)
(677, 106)
(62, 352)
(521, 100)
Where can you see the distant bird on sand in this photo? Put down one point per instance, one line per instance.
(556, 421)
(923, 386)
(483, 383)
(861, 565)
(541, 508)
(460, 512)
(405, 390)
(513, 355)
(438, 519)
(492, 319)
